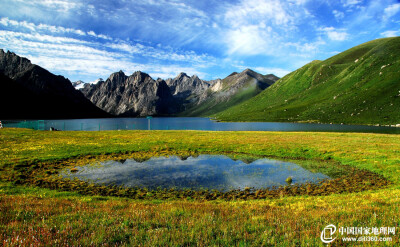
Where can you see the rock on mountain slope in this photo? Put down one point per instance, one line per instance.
(234, 89)
(131, 96)
(358, 86)
(31, 92)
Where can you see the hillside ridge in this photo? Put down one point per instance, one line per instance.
(358, 86)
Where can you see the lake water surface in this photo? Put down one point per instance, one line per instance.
(203, 172)
(192, 123)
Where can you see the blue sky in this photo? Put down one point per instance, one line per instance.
(85, 40)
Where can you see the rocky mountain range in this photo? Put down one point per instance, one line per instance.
(140, 95)
(27, 91)
(31, 92)
(136, 95)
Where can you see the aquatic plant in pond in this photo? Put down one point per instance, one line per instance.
(212, 172)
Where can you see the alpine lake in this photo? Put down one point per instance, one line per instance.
(189, 123)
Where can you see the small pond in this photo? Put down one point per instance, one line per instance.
(212, 172)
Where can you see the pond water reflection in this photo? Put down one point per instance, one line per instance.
(203, 172)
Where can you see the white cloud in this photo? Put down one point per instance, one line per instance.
(69, 56)
(390, 33)
(102, 36)
(298, 2)
(91, 33)
(335, 34)
(7, 22)
(57, 5)
(122, 46)
(253, 11)
(49, 28)
(338, 15)
(391, 11)
(11, 36)
(176, 22)
(258, 27)
(161, 53)
(180, 6)
(249, 40)
(308, 48)
(276, 71)
(351, 3)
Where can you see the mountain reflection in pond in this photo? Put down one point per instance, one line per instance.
(203, 172)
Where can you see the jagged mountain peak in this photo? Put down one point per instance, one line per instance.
(187, 89)
(139, 77)
(78, 84)
(117, 76)
(96, 81)
(120, 72)
(182, 75)
(247, 71)
(140, 74)
(250, 72)
(81, 84)
(12, 65)
(45, 95)
(271, 77)
(235, 88)
(12, 54)
(132, 96)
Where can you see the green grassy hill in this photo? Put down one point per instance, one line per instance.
(358, 86)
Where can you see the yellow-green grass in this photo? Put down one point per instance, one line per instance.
(38, 215)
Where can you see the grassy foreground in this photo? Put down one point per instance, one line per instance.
(32, 215)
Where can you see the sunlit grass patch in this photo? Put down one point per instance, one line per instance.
(76, 219)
